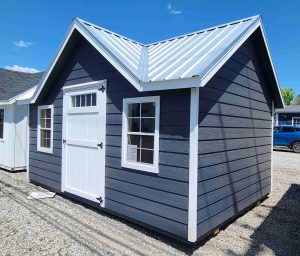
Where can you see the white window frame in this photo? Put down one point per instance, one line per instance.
(295, 117)
(3, 108)
(39, 148)
(153, 168)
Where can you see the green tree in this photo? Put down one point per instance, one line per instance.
(288, 95)
(297, 100)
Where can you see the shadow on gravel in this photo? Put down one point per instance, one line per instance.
(280, 229)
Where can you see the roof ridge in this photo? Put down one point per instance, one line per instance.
(203, 30)
(168, 39)
(109, 31)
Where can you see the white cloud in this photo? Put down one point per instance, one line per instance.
(22, 69)
(22, 44)
(171, 10)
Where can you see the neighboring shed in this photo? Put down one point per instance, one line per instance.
(174, 135)
(290, 115)
(16, 88)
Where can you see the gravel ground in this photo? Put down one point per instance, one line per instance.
(60, 226)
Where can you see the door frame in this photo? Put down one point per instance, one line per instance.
(96, 85)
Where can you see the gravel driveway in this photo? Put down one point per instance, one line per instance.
(60, 226)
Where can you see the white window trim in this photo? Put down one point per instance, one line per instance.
(3, 139)
(295, 117)
(141, 166)
(39, 148)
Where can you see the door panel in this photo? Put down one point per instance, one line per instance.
(83, 133)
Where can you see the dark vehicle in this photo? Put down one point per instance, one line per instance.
(287, 136)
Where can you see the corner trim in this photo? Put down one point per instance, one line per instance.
(272, 143)
(193, 166)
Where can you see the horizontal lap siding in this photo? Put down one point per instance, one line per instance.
(158, 200)
(234, 150)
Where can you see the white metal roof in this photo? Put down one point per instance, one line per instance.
(180, 57)
(181, 62)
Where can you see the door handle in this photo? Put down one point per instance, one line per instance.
(100, 145)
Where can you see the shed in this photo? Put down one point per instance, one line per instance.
(15, 89)
(290, 115)
(175, 135)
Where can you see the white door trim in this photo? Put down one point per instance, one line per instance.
(73, 90)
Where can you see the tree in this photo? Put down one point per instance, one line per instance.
(288, 95)
(297, 100)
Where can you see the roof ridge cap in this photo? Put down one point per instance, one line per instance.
(204, 30)
(109, 31)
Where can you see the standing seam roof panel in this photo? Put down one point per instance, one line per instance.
(182, 57)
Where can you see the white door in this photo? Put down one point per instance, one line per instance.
(83, 144)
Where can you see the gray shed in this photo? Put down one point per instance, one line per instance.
(290, 115)
(175, 135)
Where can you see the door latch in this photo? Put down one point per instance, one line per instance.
(100, 145)
(100, 200)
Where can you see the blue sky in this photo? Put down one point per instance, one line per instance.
(31, 31)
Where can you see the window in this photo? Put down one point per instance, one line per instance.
(2, 123)
(140, 137)
(84, 100)
(296, 120)
(45, 129)
(287, 129)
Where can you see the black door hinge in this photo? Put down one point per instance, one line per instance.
(100, 145)
(64, 141)
(102, 89)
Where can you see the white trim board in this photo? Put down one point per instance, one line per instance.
(39, 148)
(193, 166)
(153, 168)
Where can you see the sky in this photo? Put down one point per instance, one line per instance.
(32, 30)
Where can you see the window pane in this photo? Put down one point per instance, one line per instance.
(134, 110)
(88, 100)
(94, 101)
(134, 140)
(148, 125)
(73, 101)
(77, 101)
(48, 113)
(1, 116)
(134, 124)
(147, 156)
(43, 113)
(1, 131)
(45, 138)
(148, 109)
(148, 142)
(48, 123)
(42, 123)
(82, 101)
(287, 129)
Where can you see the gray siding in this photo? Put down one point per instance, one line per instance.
(157, 200)
(234, 165)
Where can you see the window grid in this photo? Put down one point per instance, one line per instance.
(84, 100)
(140, 148)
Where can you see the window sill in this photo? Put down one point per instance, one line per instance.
(45, 150)
(140, 167)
